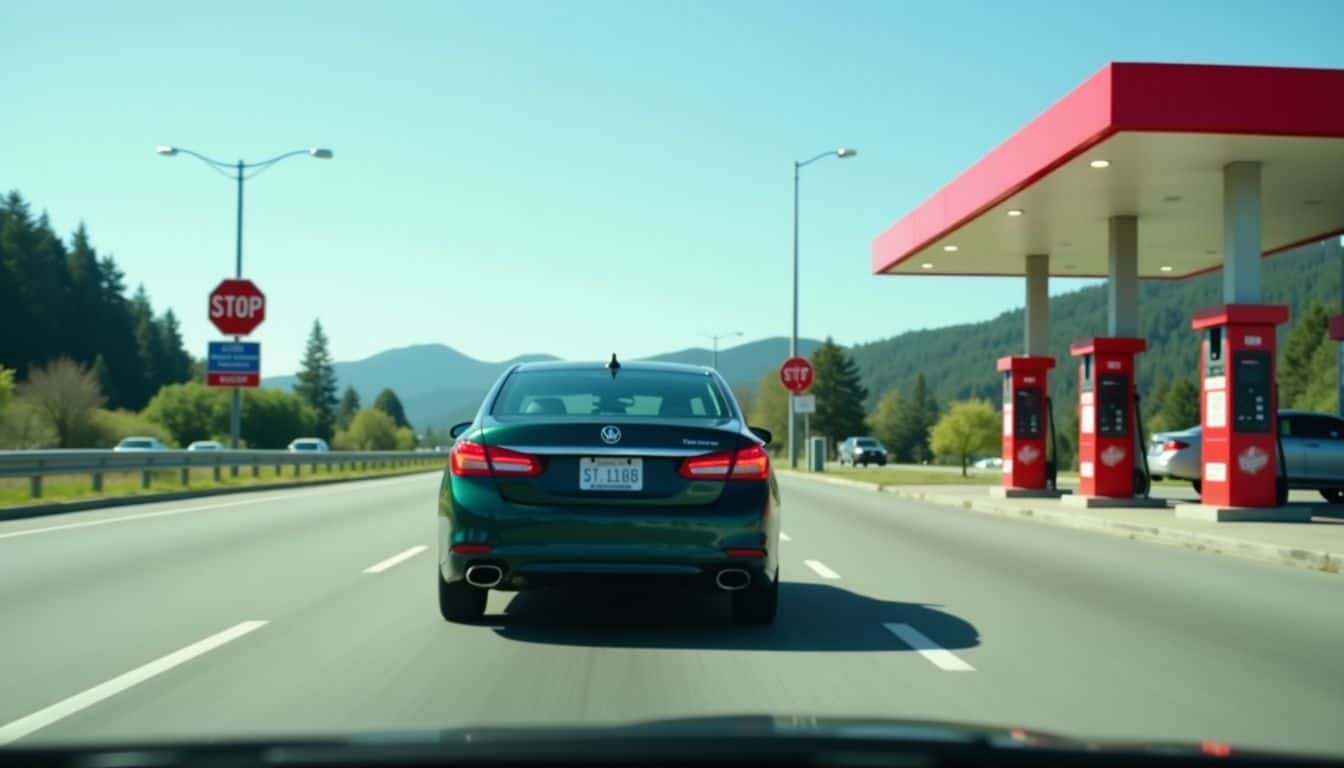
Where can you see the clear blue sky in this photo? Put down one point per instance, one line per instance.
(571, 178)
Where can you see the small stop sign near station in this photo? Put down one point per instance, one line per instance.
(796, 375)
(237, 307)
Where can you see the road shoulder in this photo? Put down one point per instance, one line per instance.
(1289, 544)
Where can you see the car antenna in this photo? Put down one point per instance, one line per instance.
(613, 365)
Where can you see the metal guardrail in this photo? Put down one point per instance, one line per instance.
(36, 465)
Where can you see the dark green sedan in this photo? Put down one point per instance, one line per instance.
(591, 472)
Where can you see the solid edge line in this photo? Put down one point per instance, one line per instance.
(821, 569)
(396, 559)
(11, 732)
(920, 643)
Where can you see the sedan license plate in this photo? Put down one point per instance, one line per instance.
(608, 474)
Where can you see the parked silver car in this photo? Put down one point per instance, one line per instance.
(1313, 452)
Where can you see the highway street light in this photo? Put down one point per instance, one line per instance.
(715, 358)
(843, 153)
(242, 171)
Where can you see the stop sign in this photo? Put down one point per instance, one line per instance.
(796, 373)
(237, 307)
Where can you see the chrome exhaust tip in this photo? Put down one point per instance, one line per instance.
(485, 576)
(732, 579)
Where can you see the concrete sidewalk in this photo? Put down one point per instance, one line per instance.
(1318, 545)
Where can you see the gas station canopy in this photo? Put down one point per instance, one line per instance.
(1144, 140)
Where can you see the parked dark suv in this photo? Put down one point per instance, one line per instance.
(862, 450)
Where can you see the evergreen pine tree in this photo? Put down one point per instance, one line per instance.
(316, 381)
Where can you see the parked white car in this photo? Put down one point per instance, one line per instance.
(308, 444)
(206, 445)
(140, 444)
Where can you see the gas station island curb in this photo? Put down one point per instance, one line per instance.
(1034, 510)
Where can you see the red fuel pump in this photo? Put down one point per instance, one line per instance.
(1026, 419)
(1239, 406)
(1107, 418)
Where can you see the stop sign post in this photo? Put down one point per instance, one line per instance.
(796, 375)
(237, 307)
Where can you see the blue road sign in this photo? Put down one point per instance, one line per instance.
(233, 364)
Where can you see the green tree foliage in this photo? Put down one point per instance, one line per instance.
(190, 411)
(316, 381)
(1178, 408)
(66, 395)
(24, 428)
(746, 397)
(71, 302)
(969, 427)
(1307, 333)
(405, 439)
(6, 388)
(839, 392)
(388, 402)
(1321, 393)
(273, 417)
(885, 423)
(919, 414)
(371, 430)
(109, 427)
(770, 410)
(347, 409)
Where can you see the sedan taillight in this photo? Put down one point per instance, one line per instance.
(750, 463)
(471, 459)
(1175, 445)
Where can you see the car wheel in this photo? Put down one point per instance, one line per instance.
(757, 603)
(1281, 492)
(1333, 495)
(1196, 485)
(1142, 484)
(460, 602)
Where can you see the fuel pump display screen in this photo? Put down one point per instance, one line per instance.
(1027, 413)
(1113, 405)
(1251, 392)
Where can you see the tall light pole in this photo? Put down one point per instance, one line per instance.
(842, 153)
(716, 337)
(241, 172)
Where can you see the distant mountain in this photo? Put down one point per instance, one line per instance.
(440, 386)
(744, 364)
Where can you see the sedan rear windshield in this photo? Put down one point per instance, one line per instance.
(136, 444)
(644, 394)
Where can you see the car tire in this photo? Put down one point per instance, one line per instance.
(1196, 485)
(459, 602)
(1142, 483)
(1333, 495)
(758, 603)
(1281, 492)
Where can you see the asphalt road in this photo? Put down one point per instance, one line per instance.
(313, 612)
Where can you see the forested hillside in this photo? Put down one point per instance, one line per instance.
(958, 361)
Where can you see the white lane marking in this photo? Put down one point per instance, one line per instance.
(784, 536)
(346, 488)
(921, 644)
(397, 558)
(821, 569)
(11, 732)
